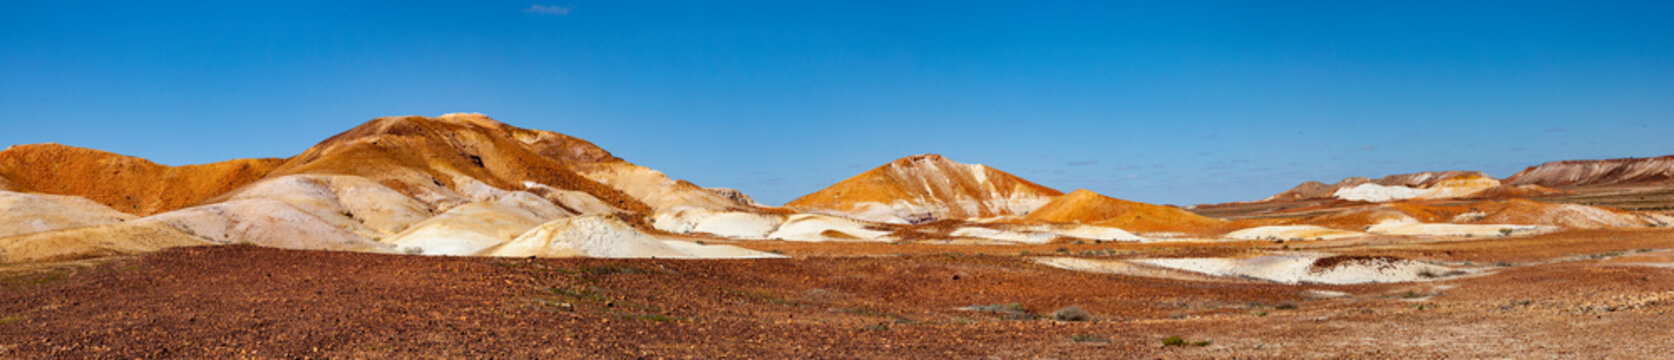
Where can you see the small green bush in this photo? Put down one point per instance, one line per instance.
(1174, 341)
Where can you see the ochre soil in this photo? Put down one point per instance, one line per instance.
(1598, 294)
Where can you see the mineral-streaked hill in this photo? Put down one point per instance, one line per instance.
(1628, 171)
(926, 188)
(1086, 207)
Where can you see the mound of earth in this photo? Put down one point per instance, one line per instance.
(1420, 180)
(8, 185)
(1292, 232)
(441, 160)
(1574, 173)
(128, 184)
(1086, 207)
(22, 213)
(605, 236)
(124, 238)
(1522, 212)
(812, 227)
(1309, 268)
(727, 224)
(926, 188)
(270, 223)
(472, 228)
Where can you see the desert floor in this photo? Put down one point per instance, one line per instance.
(1586, 294)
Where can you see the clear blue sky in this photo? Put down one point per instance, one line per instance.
(1176, 102)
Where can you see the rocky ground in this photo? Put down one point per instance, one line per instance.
(1597, 294)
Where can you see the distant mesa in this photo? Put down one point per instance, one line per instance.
(926, 188)
(1445, 184)
(1571, 173)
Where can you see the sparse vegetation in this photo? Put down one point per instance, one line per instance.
(647, 317)
(10, 319)
(1177, 341)
(1071, 313)
(1011, 311)
(36, 279)
(1085, 338)
(612, 268)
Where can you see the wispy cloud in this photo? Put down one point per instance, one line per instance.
(547, 10)
(1082, 163)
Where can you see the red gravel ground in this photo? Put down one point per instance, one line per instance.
(1587, 294)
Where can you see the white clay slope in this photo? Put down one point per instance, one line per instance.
(1299, 268)
(265, 222)
(1292, 232)
(471, 228)
(124, 238)
(1446, 189)
(22, 213)
(607, 236)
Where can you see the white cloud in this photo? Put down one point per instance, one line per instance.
(547, 10)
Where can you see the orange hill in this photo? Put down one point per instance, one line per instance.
(924, 188)
(418, 155)
(125, 183)
(1087, 207)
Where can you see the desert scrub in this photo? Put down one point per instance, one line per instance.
(1177, 341)
(1010, 311)
(1085, 338)
(1071, 313)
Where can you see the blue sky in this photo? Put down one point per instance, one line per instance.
(1175, 102)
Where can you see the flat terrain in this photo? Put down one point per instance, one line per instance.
(1597, 294)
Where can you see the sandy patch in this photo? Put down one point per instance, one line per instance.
(1413, 228)
(811, 227)
(1308, 268)
(728, 224)
(1293, 233)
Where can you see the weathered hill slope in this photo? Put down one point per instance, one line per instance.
(125, 183)
(452, 184)
(1573, 173)
(429, 157)
(924, 188)
(1087, 207)
(438, 159)
(8, 185)
(1428, 179)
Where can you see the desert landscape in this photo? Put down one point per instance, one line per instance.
(460, 236)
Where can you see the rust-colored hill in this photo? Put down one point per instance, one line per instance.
(925, 188)
(125, 183)
(425, 157)
(1573, 173)
(1087, 207)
